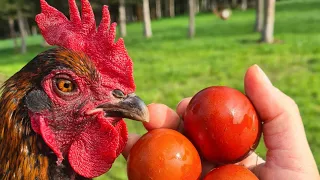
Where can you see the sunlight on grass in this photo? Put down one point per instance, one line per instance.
(169, 67)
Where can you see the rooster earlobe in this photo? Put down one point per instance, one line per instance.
(37, 101)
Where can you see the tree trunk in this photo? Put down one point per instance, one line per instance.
(234, 3)
(259, 15)
(34, 30)
(166, 8)
(197, 6)
(122, 18)
(158, 9)
(146, 19)
(204, 5)
(213, 5)
(244, 5)
(27, 26)
(191, 18)
(23, 33)
(13, 32)
(208, 5)
(267, 33)
(171, 8)
(139, 11)
(131, 16)
(226, 4)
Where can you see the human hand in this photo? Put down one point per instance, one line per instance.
(288, 152)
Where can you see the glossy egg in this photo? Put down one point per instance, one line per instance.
(222, 124)
(230, 172)
(163, 154)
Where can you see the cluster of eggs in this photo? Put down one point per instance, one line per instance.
(221, 128)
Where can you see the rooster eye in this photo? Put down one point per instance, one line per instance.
(65, 85)
(118, 93)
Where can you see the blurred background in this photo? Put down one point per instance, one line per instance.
(182, 46)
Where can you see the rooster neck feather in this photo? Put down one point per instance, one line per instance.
(20, 147)
(23, 153)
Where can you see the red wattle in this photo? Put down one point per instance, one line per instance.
(50, 139)
(94, 152)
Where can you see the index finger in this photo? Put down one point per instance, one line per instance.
(182, 106)
(161, 116)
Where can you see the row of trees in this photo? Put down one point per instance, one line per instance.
(16, 11)
(19, 14)
(265, 14)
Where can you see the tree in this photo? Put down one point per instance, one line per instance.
(213, 4)
(204, 5)
(23, 32)
(244, 4)
(122, 18)
(196, 6)
(7, 12)
(191, 18)
(268, 27)
(234, 3)
(13, 33)
(146, 19)
(171, 8)
(158, 9)
(17, 9)
(259, 15)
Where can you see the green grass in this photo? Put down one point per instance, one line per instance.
(169, 67)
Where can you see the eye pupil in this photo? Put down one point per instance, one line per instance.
(64, 85)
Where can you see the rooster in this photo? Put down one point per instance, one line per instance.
(61, 115)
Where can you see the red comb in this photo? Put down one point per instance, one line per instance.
(81, 34)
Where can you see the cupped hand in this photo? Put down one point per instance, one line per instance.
(288, 152)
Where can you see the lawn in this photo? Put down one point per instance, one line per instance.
(169, 67)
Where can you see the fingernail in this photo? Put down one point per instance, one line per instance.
(263, 75)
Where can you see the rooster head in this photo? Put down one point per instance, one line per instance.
(84, 89)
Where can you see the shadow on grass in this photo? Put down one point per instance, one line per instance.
(314, 65)
(249, 41)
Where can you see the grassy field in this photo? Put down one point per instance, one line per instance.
(169, 66)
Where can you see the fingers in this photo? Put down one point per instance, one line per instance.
(161, 116)
(278, 112)
(182, 106)
(252, 161)
(283, 130)
(132, 139)
(268, 100)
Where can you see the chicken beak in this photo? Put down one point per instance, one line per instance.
(131, 107)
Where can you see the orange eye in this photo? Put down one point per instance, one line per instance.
(65, 85)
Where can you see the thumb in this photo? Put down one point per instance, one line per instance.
(283, 129)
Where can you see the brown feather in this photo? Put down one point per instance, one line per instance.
(23, 154)
(20, 157)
